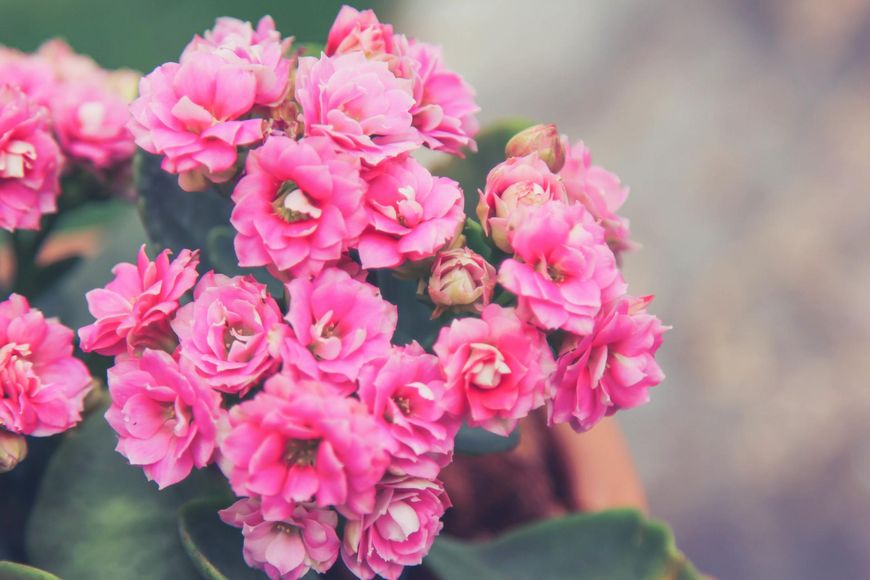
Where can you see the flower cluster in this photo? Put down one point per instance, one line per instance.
(59, 111)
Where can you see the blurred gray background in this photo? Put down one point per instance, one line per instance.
(743, 129)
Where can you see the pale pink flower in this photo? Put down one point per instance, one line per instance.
(91, 124)
(610, 369)
(600, 191)
(498, 368)
(193, 114)
(405, 391)
(260, 50)
(412, 214)
(223, 333)
(543, 141)
(510, 186)
(562, 271)
(358, 103)
(337, 324)
(30, 162)
(13, 450)
(299, 441)
(134, 309)
(31, 74)
(461, 281)
(399, 532)
(67, 65)
(286, 548)
(298, 207)
(359, 31)
(42, 385)
(165, 418)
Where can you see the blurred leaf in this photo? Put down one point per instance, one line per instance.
(310, 48)
(214, 547)
(48, 275)
(97, 518)
(474, 441)
(475, 238)
(415, 317)
(611, 545)
(15, 571)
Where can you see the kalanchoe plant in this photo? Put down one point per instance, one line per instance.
(265, 352)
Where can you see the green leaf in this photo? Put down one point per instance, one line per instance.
(97, 518)
(214, 547)
(15, 571)
(473, 441)
(475, 238)
(611, 545)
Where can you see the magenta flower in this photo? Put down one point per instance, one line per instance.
(405, 391)
(31, 74)
(511, 185)
(359, 104)
(337, 324)
(399, 532)
(42, 385)
(134, 309)
(562, 271)
(298, 207)
(359, 31)
(461, 281)
(599, 191)
(224, 332)
(286, 548)
(610, 369)
(165, 418)
(300, 441)
(30, 162)
(260, 50)
(193, 114)
(498, 368)
(412, 214)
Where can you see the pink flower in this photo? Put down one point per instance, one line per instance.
(511, 185)
(562, 271)
(166, 419)
(286, 548)
(444, 110)
(599, 191)
(262, 51)
(337, 324)
(224, 332)
(300, 441)
(399, 532)
(610, 369)
(405, 392)
(192, 113)
(358, 103)
(412, 214)
(298, 207)
(498, 368)
(31, 74)
(67, 65)
(42, 385)
(30, 163)
(355, 31)
(134, 309)
(461, 281)
(543, 141)
(91, 124)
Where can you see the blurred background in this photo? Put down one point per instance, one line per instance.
(743, 129)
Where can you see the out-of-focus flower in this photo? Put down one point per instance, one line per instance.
(543, 141)
(13, 450)
(461, 281)
(31, 74)
(359, 31)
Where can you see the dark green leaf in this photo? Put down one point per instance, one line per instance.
(471, 441)
(50, 274)
(415, 317)
(611, 545)
(475, 238)
(15, 571)
(97, 518)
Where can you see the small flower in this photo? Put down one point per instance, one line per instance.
(359, 31)
(412, 214)
(405, 392)
(224, 332)
(166, 419)
(13, 450)
(286, 548)
(399, 532)
(543, 141)
(134, 309)
(461, 281)
(42, 385)
(300, 441)
(514, 184)
(498, 368)
(610, 369)
(562, 270)
(30, 162)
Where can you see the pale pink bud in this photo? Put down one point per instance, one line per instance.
(542, 140)
(462, 281)
(13, 450)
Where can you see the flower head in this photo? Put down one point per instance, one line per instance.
(359, 31)
(462, 281)
(543, 141)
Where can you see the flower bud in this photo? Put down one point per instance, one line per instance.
(461, 280)
(541, 139)
(13, 450)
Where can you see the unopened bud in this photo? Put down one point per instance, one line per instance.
(13, 450)
(541, 139)
(461, 280)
